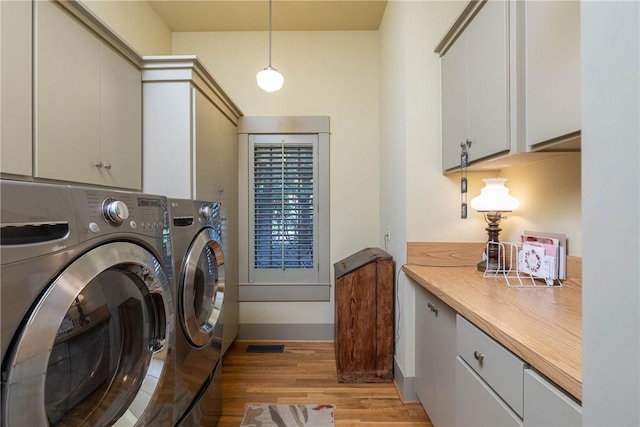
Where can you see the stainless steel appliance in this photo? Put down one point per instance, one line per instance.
(86, 307)
(198, 257)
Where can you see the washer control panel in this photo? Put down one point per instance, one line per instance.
(102, 211)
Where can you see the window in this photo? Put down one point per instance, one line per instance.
(285, 253)
(284, 229)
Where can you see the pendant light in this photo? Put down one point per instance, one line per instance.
(270, 79)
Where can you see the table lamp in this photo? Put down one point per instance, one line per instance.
(493, 201)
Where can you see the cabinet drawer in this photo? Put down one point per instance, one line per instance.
(502, 370)
(477, 405)
(546, 405)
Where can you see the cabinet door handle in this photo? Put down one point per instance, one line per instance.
(435, 310)
(107, 165)
(430, 306)
(98, 164)
(478, 356)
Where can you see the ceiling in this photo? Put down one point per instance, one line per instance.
(253, 15)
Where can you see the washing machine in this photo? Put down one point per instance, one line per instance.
(87, 312)
(195, 229)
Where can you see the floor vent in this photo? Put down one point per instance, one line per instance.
(265, 348)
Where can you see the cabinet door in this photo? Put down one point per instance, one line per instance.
(454, 69)
(477, 405)
(444, 371)
(68, 66)
(121, 122)
(16, 126)
(552, 69)
(207, 174)
(545, 405)
(229, 199)
(435, 357)
(488, 76)
(425, 333)
(168, 130)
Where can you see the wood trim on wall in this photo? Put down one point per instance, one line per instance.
(445, 254)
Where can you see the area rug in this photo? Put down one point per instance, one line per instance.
(266, 415)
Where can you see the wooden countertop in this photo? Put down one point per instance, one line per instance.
(543, 326)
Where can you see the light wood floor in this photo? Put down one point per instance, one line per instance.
(306, 373)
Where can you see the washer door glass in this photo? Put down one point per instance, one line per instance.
(202, 290)
(97, 334)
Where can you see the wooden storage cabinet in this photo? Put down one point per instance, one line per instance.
(435, 357)
(364, 317)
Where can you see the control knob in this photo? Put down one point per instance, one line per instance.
(114, 211)
(206, 212)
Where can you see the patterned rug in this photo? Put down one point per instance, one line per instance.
(265, 415)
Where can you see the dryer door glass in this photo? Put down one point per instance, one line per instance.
(202, 290)
(98, 336)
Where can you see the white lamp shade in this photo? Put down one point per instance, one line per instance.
(494, 197)
(270, 80)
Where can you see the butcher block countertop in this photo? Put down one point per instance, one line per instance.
(543, 326)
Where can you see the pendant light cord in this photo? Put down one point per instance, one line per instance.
(270, 33)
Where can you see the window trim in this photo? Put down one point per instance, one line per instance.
(319, 290)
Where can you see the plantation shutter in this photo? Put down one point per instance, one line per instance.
(284, 205)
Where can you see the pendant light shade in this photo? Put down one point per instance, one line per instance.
(270, 79)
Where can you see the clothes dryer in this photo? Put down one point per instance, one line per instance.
(195, 230)
(86, 307)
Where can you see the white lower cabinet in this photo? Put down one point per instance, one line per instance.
(489, 380)
(546, 405)
(477, 404)
(466, 378)
(435, 357)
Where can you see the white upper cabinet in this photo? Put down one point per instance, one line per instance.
(15, 85)
(510, 76)
(71, 97)
(67, 98)
(88, 105)
(475, 103)
(552, 71)
(189, 123)
(120, 122)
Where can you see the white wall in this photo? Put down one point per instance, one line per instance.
(409, 146)
(326, 73)
(611, 186)
(136, 22)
